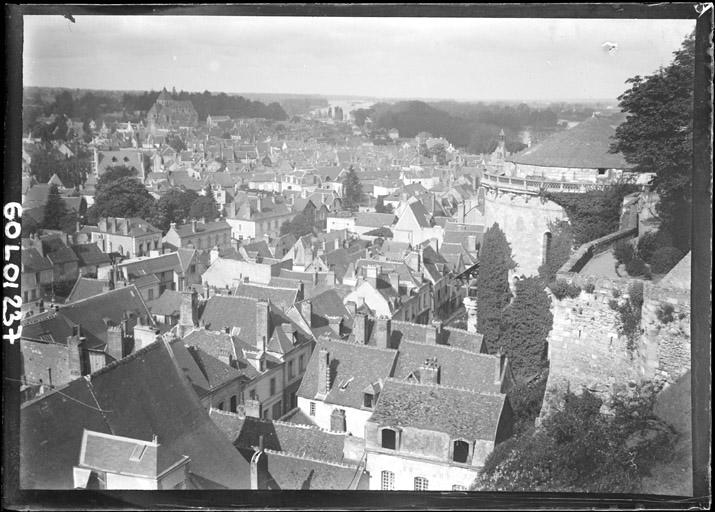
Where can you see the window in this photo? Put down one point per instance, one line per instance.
(233, 403)
(277, 410)
(312, 408)
(290, 369)
(252, 394)
(151, 294)
(421, 484)
(389, 437)
(301, 364)
(25, 296)
(387, 479)
(367, 400)
(459, 488)
(273, 386)
(220, 406)
(461, 451)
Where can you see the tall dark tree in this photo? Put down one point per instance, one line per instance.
(657, 136)
(125, 197)
(115, 173)
(174, 206)
(204, 207)
(352, 190)
(493, 293)
(55, 210)
(526, 324)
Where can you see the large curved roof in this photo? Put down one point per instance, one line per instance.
(585, 146)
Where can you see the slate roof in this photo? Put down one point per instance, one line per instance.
(375, 220)
(290, 472)
(457, 412)
(33, 261)
(217, 372)
(304, 441)
(184, 230)
(162, 404)
(103, 452)
(57, 251)
(38, 357)
(153, 265)
(281, 297)
(90, 254)
(85, 287)
(167, 304)
(353, 368)
(585, 146)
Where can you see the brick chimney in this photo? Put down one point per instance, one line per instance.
(323, 373)
(337, 420)
(383, 332)
(500, 363)
(301, 292)
(188, 311)
(74, 356)
(114, 342)
(253, 408)
(125, 227)
(193, 226)
(372, 272)
(360, 328)
(213, 255)
(429, 372)
(306, 309)
(263, 324)
(336, 324)
(434, 333)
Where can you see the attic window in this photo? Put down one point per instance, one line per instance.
(138, 452)
(367, 400)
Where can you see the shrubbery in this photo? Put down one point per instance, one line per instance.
(589, 288)
(623, 252)
(637, 267)
(562, 289)
(665, 313)
(664, 259)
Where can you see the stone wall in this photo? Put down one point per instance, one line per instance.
(524, 219)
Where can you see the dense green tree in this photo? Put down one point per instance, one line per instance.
(526, 323)
(559, 249)
(124, 197)
(657, 136)
(55, 210)
(493, 293)
(115, 173)
(175, 141)
(581, 449)
(204, 207)
(174, 206)
(381, 207)
(352, 190)
(301, 225)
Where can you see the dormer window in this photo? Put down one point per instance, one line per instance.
(367, 400)
(460, 452)
(389, 439)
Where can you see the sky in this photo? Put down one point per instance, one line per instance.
(451, 58)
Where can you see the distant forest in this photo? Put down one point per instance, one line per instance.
(94, 105)
(473, 126)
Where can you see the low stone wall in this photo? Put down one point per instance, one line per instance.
(586, 251)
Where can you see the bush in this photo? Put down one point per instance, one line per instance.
(647, 244)
(665, 313)
(623, 252)
(635, 291)
(664, 259)
(562, 289)
(636, 268)
(616, 293)
(589, 288)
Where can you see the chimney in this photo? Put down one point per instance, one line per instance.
(188, 312)
(471, 243)
(263, 324)
(352, 308)
(323, 372)
(383, 332)
(306, 309)
(434, 333)
(125, 227)
(213, 255)
(144, 335)
(315, 278)
(337, 420)
(372, 272)
(113, 224)
(336, 246)
(114, 342)
(336, 324)
(172, 226)
(301, 293)
(193, 226)
(360, 328)
(74, 356)
(395, 281)
(252, 408)
(499, 368)
(259, 468)
(429, 372)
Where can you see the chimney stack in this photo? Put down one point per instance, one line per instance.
(193, 225)
(259, 468)
(125, 227)
(188, 312)
(383, 332)
(74, 356)
(499, 368)
(263, 327)
(372, 272)
(360, 328)
(352, 308)
(395, 281)
(337, 421)
(429, 372)
(306, 309)
(252, 408)
(213, 255)
(336, 324)
(323, 373)
(114, 342)
(434, 333)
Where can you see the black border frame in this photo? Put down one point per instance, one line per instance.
(701, 256)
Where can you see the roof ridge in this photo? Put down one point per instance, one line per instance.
(371, 347)
(449, 347)
(104, 293)
(142, 351)
(312, 459)
(442, 386)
